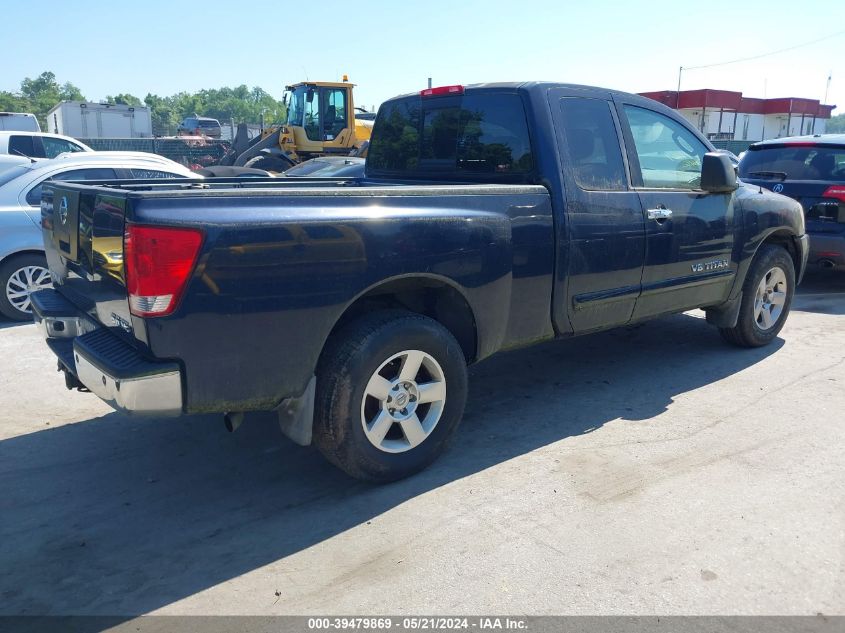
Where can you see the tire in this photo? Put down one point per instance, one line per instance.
(21, 275)
(769, 285)
(354, 429)
(269, 163)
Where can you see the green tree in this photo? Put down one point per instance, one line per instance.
(161, 113)
(44, 92)
(124, 99)
(836, 124)
(241, 103)
(11, 102)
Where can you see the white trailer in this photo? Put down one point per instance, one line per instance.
(100, 120)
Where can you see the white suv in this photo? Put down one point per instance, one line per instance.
(17, 147)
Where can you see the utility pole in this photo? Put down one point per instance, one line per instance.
(678, 93)
(827, 87)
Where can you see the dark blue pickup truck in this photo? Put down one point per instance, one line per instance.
(491, 217)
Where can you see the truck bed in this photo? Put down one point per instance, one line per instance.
(281, 261)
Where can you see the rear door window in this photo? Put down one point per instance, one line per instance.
(474, 135)
(593, 144)
(149, 174)
(25, 145)
(33, 197)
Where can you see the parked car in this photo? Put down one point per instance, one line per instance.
(23, 268)
(328, 167)
(19, 121)
(16, 148)
(810, 169)
(39, 144)
(491, 217)
(200, 126)
(734, 158)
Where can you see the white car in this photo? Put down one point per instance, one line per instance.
(23, 268)
(17, 147)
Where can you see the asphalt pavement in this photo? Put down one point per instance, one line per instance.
(648, 470)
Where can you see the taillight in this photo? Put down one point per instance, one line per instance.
(836, 191)
(442, 90)
(158, 261)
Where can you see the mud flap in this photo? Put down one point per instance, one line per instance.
(296, 415)
(725, 315)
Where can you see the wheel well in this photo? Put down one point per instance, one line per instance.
(435, 299)
(19, 253)
(785, 241)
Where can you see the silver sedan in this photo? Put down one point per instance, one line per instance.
(23, 268)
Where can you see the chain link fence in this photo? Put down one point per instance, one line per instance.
(737, 147)
(192, 152)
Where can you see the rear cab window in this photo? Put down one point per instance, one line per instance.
(478, 136)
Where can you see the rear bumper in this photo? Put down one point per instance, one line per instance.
(827, 250)
(114, 371)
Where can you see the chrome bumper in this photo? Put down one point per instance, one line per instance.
(105, 365)
(159, 394)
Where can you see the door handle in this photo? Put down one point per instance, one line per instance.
(659, 214)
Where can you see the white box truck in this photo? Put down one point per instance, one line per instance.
(100, 120)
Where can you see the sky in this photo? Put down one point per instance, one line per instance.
(390, 48)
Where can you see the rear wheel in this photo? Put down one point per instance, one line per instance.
(20, 276)
(391, 389)
(766, 298)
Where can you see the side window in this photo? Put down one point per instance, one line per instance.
(25, 145)
(33, 197)
(593, 145)
(669, 154)
(55, 146)
(148, 174)
(335, 118)
(312, 115)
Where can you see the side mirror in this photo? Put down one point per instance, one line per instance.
(309, 96)
(717, 173)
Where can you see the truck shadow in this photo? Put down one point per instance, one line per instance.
(116, 515)
(6, 322)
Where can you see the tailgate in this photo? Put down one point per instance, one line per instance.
(83, 238)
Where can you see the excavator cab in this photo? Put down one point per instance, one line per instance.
(319, 121)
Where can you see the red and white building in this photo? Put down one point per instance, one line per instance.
(725, 115)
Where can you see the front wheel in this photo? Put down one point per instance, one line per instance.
(391, 389)
(20, 276)
(766, 298)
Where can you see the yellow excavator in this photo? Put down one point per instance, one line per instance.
(319, 121)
